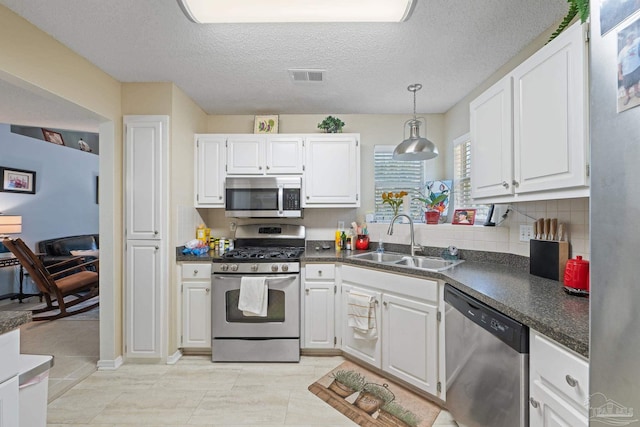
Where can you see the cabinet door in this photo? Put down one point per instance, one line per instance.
(319, 308)
(284, 155)
(210, 173)
(143, 299)
(369, 351)
(245, 155)
(332, 171)
(196, 314)
(492, 141)
(9, 404)
(550, 115)
(410, 341)
(145, 175)
(549, 410)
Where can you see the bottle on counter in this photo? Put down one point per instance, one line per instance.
(338, 240)
(201, 233)
(343, 240)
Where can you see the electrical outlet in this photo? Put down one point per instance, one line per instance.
(526, 233)
(232, 226)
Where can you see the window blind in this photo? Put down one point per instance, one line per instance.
(462, 178)
(395, 176)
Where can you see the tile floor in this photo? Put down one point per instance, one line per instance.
(196, 391)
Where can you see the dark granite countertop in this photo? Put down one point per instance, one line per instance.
(10, 320)
(501, 281)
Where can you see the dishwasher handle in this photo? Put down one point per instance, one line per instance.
(508, 330)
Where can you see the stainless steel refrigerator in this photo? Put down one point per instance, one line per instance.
(615, 232)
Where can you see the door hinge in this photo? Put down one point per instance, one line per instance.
(357, 142)
(439, 387)
(439, 316)
(181, 288)
(303, 168)
(335, 341)
(226, 168)
(335, 289)
(226, 143)
(198, 198)
(357, 197)
(197, 143)
(588, 169)
(181, 340)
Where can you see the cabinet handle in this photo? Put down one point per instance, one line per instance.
(219, 197)
(319, 272)
(571, 381)
(534, 402)
(155, 232)
(385, 303)
(515, 183)
(268, 167)
(157, 247)
(259, 168)
(375, 301)
(307, 197)
(206, 290)
(195, 272)
(505, 184)
(306, 291)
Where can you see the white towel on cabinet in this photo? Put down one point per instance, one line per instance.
(254, 296)
(361, 313)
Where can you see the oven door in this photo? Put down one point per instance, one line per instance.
(283, 309)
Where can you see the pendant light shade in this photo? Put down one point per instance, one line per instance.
(415, 147)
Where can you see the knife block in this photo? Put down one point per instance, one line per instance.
(548, 258)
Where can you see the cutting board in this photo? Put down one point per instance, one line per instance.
(548, 258)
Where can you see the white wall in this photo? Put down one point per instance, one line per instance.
(65, 199)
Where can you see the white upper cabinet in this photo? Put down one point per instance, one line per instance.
(492, 141)
(529, 138)
(264, 155)
(332, 171)
(145, 175)
(210, 173)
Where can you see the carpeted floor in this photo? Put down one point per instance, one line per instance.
(376, 401)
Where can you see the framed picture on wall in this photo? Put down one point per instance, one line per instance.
(265, 124)
(52, 136)
(464, 216)
(18, 180)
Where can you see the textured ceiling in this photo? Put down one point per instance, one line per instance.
(450, 46)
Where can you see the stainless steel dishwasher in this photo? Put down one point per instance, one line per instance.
(487, 364)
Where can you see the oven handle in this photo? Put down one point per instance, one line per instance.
(216, 276)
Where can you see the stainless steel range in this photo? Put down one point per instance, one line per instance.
(266, 256)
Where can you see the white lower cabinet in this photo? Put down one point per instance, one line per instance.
(9, 403)
(319, 306)
(558, 385)
(9, 369)
(409, 336)
(196, 306)
(410, 333)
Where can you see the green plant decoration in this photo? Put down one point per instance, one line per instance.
(351, 379)
(576, 7)
(433, 201)
(331, 125)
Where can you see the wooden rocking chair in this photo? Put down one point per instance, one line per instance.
(73, 280)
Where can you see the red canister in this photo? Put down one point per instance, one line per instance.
(576, 276)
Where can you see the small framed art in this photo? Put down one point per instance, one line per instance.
(464, 216)
(265, 124)
(18, 180)
(52, 136)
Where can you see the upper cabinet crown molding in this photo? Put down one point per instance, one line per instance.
(529, 136)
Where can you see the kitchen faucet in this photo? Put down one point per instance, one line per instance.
(390, 231)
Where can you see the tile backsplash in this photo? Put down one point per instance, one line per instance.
(321, 223)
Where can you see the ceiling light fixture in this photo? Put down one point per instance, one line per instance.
(254, 11)
(415, 147)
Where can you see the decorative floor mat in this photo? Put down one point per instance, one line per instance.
(371, 400)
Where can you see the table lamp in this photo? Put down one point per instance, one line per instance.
(10, 224)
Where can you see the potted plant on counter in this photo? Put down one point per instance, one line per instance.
(434, 204)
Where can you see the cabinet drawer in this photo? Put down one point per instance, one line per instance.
(9, 354)
(559, 369)
(320, 271)
(196, 271)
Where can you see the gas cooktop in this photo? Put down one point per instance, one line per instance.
(256, 254)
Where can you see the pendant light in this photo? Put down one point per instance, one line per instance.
(415, 147)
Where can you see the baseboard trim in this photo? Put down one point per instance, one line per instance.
(173, 359)
(110, 365)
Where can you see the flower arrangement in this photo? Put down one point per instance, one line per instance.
(434, 201)
(394, 200)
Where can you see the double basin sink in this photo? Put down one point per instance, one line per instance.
(403, 260)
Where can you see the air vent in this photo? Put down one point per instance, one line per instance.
(313, 76)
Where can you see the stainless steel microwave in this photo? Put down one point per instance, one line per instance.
(263, 197)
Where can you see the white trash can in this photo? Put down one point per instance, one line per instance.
(34, 383)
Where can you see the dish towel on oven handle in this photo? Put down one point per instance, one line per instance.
(254, 296)
(361, 313)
